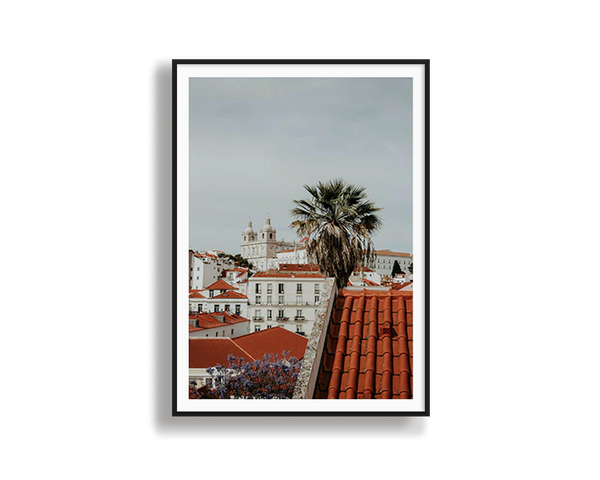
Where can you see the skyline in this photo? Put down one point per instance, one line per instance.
(254, 143)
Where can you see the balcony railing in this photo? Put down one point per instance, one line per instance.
(299, 317)
(282, 319)
(258, 319)
(288, 304)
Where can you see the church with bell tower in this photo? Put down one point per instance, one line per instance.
(260, 248)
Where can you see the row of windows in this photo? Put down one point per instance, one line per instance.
(281, 288)
(280, 315)
(251, 238)
(281, 300)
(226, 308)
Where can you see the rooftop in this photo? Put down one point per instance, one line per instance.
(274, 340)
(209, 352)
(230, 294)
(389, 253)
(280, 274)
(298, 267)
(220, 285)
(368, 348)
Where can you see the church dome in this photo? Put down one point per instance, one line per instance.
(268, 227)
(249, 230)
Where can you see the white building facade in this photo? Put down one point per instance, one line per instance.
(384, 263)
(206, 268)
(285, 299)
(260, 248)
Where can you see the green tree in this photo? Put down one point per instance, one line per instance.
(396, 268)
(338, 220)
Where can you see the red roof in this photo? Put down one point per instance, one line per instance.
(368, 349)
(392, 254)
(298, 267)
(398, 286)
(196, 294)
(371, 283)
(279, 274)
(289, 250)
(230, 294)
(209, 352)
(274, 340)
(210, 320)
(220, 285)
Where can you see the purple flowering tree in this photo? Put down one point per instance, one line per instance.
(270, 377)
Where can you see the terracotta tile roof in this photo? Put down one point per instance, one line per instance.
(389, 253)
(279, 274)
(210, 320)
(209, 352)
(290, 250)
(274, 340)
(371, 283)
(298, 267)
(400, 285)
(368, 348)
(220, 285)
(230, 294)
(196, 294)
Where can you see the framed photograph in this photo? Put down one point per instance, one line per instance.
(301, 237)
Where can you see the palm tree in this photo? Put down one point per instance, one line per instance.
(338, 221)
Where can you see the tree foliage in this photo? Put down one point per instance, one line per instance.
(268, 378)
(396, 268)
(238, 259)
(338, 220)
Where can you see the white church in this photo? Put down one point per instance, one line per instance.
(265, 252)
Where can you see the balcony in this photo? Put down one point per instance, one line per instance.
(299, 318)
(258, 319)
(282, 319)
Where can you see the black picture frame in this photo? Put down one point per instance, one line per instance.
(425, 64)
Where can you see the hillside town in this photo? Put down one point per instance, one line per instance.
(280, 304)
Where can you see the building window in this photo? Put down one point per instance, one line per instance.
(200, 308)
(298, 313)
(257, 300)
(211, 293)
(299, 329)
(298, 288)
(270, 235)
(232, 332)
(281, 288)
(280, 299)
(226, 308)
(258, 314)
(237, 309)
(269, 299)
(280, 314)
(217, 334)
(257, 328)
(317, 289)
(269, 314)
(217, 308)
(258, 287)
(269, 288)
(317, 299)
(298, 299)
(269, 326)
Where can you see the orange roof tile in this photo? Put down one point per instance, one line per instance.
(274, 340)
(220, 285)
(298, 267)
(392, 254)
(209, 352)
(196, 294)
(230, 294)
(368, 348)
(279, 274)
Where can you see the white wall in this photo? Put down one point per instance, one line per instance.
(290, 305)
(226, 330)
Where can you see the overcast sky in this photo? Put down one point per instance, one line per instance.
(254, 143)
